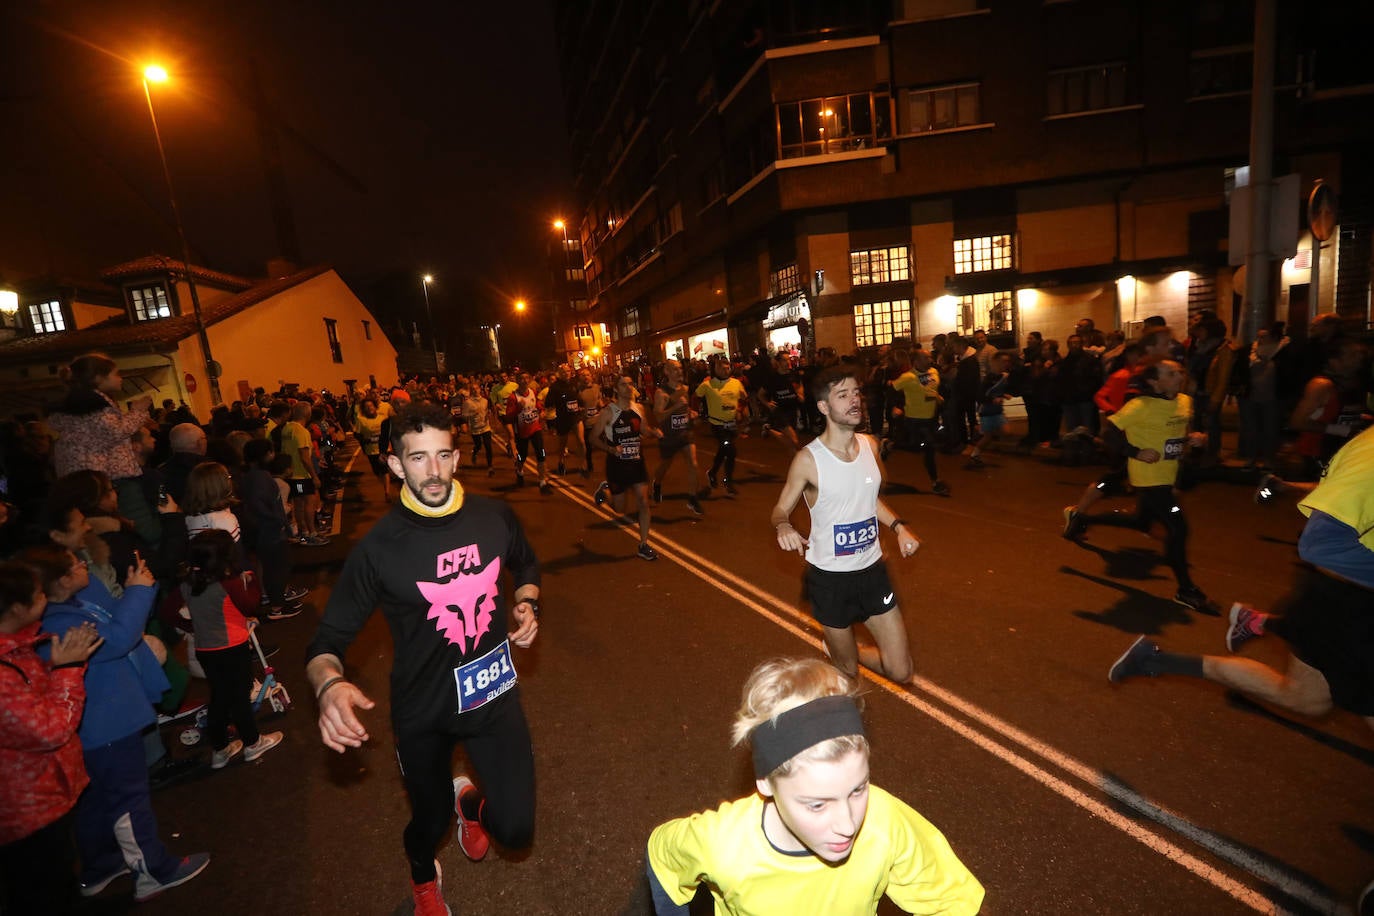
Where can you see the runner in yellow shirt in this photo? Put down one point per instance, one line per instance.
(721, 395)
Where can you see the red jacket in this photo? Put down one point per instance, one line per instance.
(41, 769)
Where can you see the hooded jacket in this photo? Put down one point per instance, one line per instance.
(41, 768)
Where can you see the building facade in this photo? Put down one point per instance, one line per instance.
(774, 174)
(306, 327)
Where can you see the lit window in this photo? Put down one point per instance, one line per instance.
(631, 323)
(837, 124)
(991, 312)
(46, 317)
(941, 109)
(784, 280)
(877, 323)
(150, 303)
(574, 273)
(1095, 88)
(879, 265)
(988, 252)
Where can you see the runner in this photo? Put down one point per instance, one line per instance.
(780, 397)
(722, 396)
(673, 411)
(817, 836)
(1325, 619)
(475, 412)
(1152, 431)
(434, 564)
(562, 395)
(619, 432)
(915, 429)
(846, 580)
(525, 415)
(368, 427)
(592, 399)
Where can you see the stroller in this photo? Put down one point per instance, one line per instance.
(267, 690)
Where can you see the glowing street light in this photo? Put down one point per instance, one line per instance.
(425, 281)
(520, 305)
(154, 73)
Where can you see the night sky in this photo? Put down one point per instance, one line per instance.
(414, 136)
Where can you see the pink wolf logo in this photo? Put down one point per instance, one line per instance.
(473, 594)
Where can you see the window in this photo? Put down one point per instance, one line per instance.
(578, 305)
(877, 323)
(572, 245)
(1095, 88)
(582, 332)
(784, 280)
(879, 265)
(574, 273)
(150, 302)
(367, 329)
(630, 326)
(940, 109)
(988, 252)
(837, 124)
(46, 317)
(334, 349)
(670, 222)
(712, 183)
(1219, 71)
(992, 312)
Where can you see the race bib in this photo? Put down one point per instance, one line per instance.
(678, 421)
(855, 537)
(629, 451)
(528, 416)
(1173, 449)
(484, 679)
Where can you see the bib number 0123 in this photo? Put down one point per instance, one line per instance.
(484, 679)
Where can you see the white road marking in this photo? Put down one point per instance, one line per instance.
(803, 627)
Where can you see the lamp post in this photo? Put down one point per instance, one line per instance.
(157, 74)
(563, 285)
(425, 281)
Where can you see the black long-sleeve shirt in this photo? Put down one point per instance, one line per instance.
(438, 582)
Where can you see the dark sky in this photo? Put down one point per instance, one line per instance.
(414, 136)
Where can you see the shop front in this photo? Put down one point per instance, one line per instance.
(783, 323)
(708, 344)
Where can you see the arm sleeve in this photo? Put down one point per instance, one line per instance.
(41, 720)
(351, 602)
(926, 876)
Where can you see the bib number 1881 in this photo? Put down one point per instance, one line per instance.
(484, 679)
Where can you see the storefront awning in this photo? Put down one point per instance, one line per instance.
(998, 281)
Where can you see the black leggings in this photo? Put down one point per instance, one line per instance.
(1156, 504)
(725, 450)
(919, 436)
(480, 441)
(502, 762)
(522, 448)
(230, 675)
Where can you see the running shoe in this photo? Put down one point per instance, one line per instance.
(711, 479)
(730, 488)
(149, 887)
(545, 488)
(561, 469)
(91, 888)
(646, 552)
(974, 463)
(695, 505)
(603, 493)
(220, 759)
(1267, 490)
(658, 493)
(472, 836)
(1074, 526)
(314, 540)
(940, 488)
(294, 593)
(1246, 624)
(264, 744)
(285, 612)
(1134, 662)
(519, 480)
(1194, 599)
(429, 897)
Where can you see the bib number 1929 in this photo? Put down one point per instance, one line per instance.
(484, 679)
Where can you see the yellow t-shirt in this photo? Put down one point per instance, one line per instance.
(368, 431)
(1346, 491)
(921, 399)
(295, 441)
(722, 398)
(896, 852)
(1151, 422)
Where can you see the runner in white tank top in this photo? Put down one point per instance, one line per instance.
(840, 477)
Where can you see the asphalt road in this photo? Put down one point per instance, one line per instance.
(1063, 793)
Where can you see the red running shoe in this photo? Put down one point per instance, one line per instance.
(429, 897)
(472, 837)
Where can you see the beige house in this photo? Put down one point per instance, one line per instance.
(304, 327)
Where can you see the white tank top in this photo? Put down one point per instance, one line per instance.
(844, 520)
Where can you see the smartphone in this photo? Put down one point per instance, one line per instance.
(162, 494)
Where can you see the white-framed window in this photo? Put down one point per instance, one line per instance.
(879, 265)
(1094, 88)
(941, 108)
(836, 124)
(987, 252)
(876, 323)
(991, 312)
(46, 317)
(631, 322)
(150, 302)
(784, 280)
(582, 332)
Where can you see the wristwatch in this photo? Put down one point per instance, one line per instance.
(533, 603)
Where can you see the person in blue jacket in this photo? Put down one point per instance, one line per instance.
(116, 831)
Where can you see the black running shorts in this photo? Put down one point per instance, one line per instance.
(841, 599)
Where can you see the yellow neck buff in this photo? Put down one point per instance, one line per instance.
(455, 502)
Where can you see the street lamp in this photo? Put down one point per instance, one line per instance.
(156, 74)
(519, 305)
(425, 281)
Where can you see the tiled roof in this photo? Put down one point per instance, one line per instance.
(161, 263)
(117, 334)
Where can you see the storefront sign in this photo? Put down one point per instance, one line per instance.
(786, 314)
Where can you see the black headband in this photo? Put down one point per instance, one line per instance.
(778, 740)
